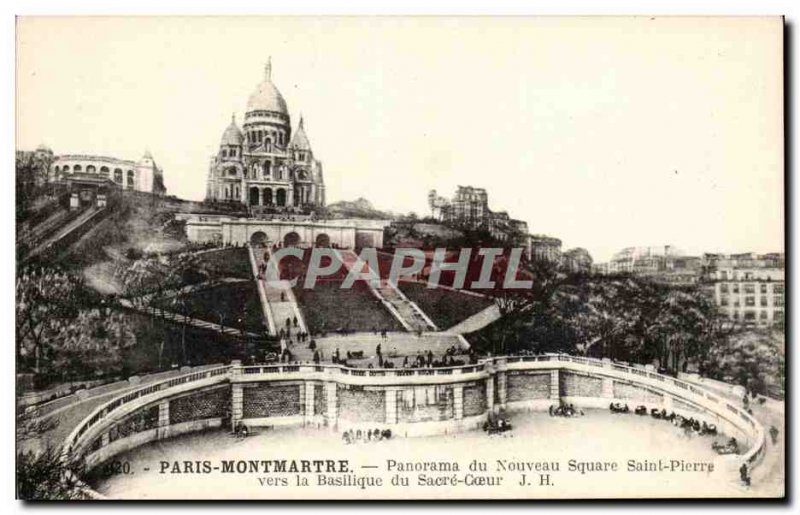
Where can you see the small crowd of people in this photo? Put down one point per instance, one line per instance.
(368, 435)
(240, 430)
(496, 425)
(729, 447)
(688, 424)
(564, 410)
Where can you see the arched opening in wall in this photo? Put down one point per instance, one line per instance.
(130, 178)
(77, 168)
(267, 169)
(268, 196)
(365, 240)
(91, 169)
(65, 169)
(258, 239)
(323, 240)
(104, 171)
(253, 197)
(118, 176)
(292, 239)
(280, 197)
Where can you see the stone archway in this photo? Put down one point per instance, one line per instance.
(267, 196)
(291, 239)
(280, 197)
(253, 197)
(259, 239)
(322, 240)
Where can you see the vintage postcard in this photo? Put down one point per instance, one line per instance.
(397, 258)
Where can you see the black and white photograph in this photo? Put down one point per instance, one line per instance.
(400, 258)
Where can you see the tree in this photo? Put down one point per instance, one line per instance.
(621, 317)
(47, 473)
(32, 177)
(43, 296)
(754, 359)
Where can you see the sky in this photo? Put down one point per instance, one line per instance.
(604, 132)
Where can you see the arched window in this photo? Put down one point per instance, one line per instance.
(267, 169)
(254, 196)
(77, 168)
(130, 178)
(65, 169)
(90, 169)
(104, 170)
(118, 176)
(268, 145)
(224, 152)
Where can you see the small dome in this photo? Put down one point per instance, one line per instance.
(299, 139)
(266, 97)
(232, 135)
(147, 159)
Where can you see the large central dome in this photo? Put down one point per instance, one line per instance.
(266, 97)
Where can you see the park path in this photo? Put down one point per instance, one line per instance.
(180, 319)
(477, 321)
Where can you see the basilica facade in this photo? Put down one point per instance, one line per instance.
(265, 165)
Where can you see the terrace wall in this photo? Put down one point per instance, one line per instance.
(410, 402)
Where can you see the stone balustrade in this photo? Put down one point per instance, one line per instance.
(409, 401)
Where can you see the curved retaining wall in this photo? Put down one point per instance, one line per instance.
(410, 402)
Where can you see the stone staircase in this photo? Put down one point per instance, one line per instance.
(279, 303)
(409, 310)
(404, 310)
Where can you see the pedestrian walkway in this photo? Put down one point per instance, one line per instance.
(278, 302)
(399, 344)
(477, 321)
(168, 294)
(180, 319)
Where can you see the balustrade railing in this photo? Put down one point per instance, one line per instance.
(755, 452)
(105, 409)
